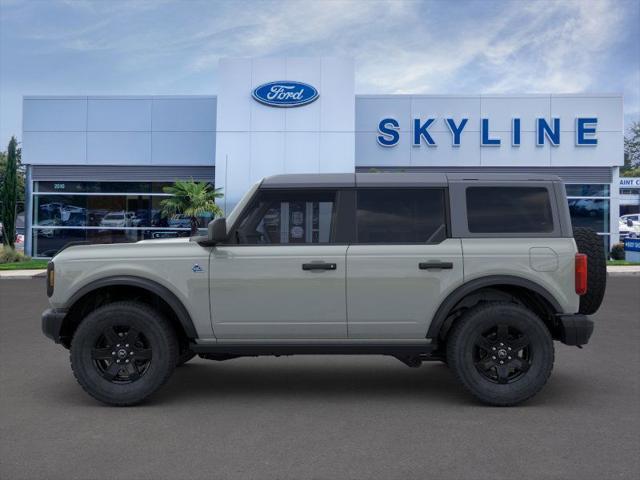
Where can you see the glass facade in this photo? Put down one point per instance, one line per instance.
(115, 212)
(589, 206)
(100, 212)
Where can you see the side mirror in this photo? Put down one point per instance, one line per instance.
(218, 230)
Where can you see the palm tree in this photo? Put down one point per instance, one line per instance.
(193, 199)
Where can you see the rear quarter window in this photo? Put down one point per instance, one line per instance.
(493, 209)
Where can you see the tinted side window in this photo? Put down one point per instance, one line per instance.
(509, 210)
(288, 217)
(401, 215)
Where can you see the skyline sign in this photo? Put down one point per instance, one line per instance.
(546, 132)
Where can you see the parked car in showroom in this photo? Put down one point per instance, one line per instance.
(482, 272)
(119, 219)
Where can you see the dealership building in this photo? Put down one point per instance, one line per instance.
(96, 166)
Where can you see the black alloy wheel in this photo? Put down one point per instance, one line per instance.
(502, 354)
(122, 354)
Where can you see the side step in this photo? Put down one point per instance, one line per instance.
(405, 350)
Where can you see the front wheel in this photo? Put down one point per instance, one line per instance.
(501, 352)
(123, 352)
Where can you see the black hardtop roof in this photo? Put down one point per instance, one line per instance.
(394, 179)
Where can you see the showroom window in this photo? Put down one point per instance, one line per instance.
(101, 212)
(589, 207)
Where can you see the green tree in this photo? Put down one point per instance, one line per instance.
(8, 195)
(19, 172)
(631, 166)
(193, 199)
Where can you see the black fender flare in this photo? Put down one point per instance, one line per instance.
(154, 287)
(493, 280)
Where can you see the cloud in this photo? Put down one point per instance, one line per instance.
(525, 48)
(399, 46)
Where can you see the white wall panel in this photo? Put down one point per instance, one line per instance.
(302, 152)
(233, 162)
(307, 119)
(441, 107)
(54, 148)
(263, 117)
(234, 108)
(284, 139)
(184, 114)
(183, 148)
(370, 110)
(467, 154)
(500, 110)
(336, 152)
(119, 148)
(371, 153)
(119, 115)
(54, 114)
(261, 142)
(337, 84)
(528, 153)
(607, 108)
(609, 151)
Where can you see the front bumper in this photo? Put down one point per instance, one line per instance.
(575, 329)
(52, 323)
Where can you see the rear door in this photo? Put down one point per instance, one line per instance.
(401, 264)
(283, 277)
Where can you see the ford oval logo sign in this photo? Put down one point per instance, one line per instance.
(285, 94)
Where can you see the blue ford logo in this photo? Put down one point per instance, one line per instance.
(285, 93)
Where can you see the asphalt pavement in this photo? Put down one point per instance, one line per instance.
(320, 417)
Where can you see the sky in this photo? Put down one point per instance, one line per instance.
(118, 47)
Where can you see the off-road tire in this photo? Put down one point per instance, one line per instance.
(158, 335)
(462, 351)
(589, 243)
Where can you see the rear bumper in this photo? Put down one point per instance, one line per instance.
(52, 323)
(575, 329)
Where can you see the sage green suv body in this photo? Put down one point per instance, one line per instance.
(391, 264)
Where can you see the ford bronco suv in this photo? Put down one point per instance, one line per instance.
(481, 272)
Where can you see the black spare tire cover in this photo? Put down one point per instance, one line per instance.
(590, 243)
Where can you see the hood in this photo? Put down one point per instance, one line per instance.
(105, 250)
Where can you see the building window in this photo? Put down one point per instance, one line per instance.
(589, 206)
(100, 212)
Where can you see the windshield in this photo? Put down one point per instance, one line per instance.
(239, 207)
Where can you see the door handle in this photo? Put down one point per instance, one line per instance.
(319, 266)
(435, 265)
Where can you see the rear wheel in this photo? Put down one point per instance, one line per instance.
(501, 352)
(123, 352)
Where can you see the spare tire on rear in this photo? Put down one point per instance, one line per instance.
(590, 243)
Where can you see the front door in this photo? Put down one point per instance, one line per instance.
(281, 276)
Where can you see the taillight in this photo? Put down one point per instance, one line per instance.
(581, 273)
(51, 278)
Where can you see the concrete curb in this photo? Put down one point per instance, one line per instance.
(22, 274)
